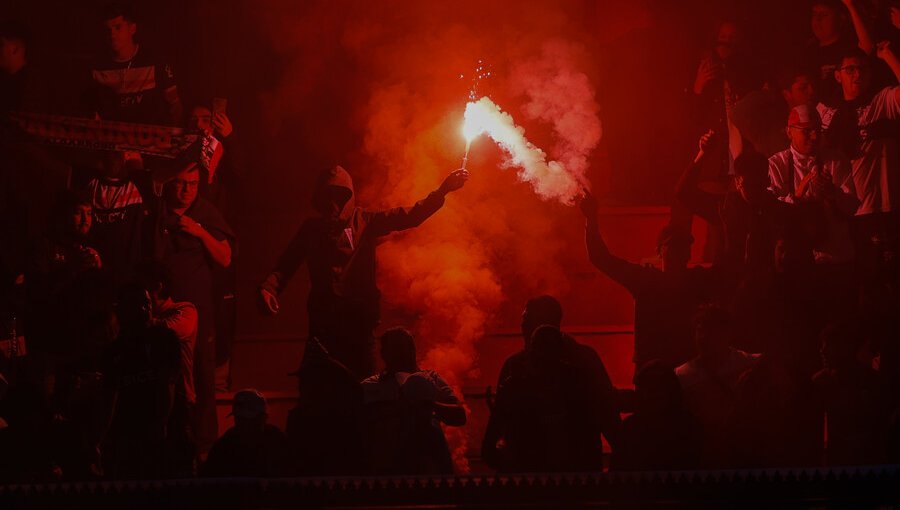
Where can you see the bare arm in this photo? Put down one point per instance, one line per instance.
(886, 53)
(862, 32)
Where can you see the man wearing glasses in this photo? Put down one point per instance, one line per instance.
(808, 175)
(864, 128)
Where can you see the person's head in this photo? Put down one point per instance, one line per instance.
(538, 312)
(673, 245)
(751, 176)
(12, 47)
(894, 13)
(797, 88)
(728, 38)
(713, 332)
(200, 120)
(840, 343)
(804, 129)
(73, 214)
(156, 278)
(121, 26)
(546, 346)
(828, 21)
(333, 194)
(250, 410)
(133, 307)
(854, 73)
(656, 388)
(113, 165)
(182, 191)
(398, 350)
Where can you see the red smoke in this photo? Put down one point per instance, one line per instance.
(400, 91)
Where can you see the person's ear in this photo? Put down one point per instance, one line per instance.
(132, 28)
(837, 75)
(786, 95)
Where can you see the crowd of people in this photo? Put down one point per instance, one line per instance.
(118, 291)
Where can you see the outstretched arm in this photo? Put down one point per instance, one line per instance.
(402, 218)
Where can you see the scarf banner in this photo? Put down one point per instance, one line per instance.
(81, 133)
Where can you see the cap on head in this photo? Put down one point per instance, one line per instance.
(248, 404)
(804, 116)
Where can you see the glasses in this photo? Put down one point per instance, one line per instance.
(853, 69)
(808, 130)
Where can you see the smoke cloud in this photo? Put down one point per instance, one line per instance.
(394, 70)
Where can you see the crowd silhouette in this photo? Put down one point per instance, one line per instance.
(784, 350)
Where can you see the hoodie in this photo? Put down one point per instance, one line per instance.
(340, 254)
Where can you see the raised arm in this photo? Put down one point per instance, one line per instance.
(616, 268)
(687, 191)
(886, 53)
(402, 218)
(862, 31)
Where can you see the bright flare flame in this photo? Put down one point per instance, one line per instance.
(550, 180)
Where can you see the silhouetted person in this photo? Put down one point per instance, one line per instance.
(547, 412)
(661, 434)
(709, 380)
(182, 319)
(222, 187)
(852, 397)
(775, 420)
(404, 409)
(191, 238)
(664, 299)
(831, 38)
(808, 176)
(252, 447)
(324, 435)
(130, 84)
(781, 311)
(863, 127)
(140, 372)
(749, 215)
(68, 291)
(339, 248)
(118, 208)
(546, 310)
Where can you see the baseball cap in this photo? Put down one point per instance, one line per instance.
(803, 116)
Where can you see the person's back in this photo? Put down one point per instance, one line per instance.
(252, 447)
(548, 410)
(242, 452)
(404, 408)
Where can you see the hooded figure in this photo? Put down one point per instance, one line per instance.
(339, 248)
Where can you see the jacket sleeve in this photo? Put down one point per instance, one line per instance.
(402, 218)
(296, 252)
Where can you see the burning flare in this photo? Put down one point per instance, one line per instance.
(550, 180)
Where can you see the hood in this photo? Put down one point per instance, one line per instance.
(338, 177)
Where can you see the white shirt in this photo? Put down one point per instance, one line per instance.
(876, 174)
(836, 246)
